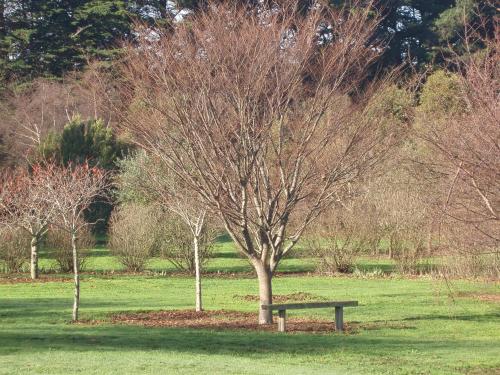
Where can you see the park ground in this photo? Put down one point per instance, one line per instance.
(404, 325)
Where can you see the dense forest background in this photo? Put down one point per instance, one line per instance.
(49, 38)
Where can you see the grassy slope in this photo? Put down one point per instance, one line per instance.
(407, 327)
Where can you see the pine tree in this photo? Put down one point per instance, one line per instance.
(51, 37)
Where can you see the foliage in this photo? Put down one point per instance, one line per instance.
(51, 37)
(441, 95)
(133, 175)
(464, 263)
(59, 243)
(344, 233)
(83, 141)
(89, 142)
(14, 248)
(452, 21)
(407, 248)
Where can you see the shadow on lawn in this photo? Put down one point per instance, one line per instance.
(27, 336)
(122, 338)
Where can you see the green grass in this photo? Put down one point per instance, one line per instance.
(406, 326)
(225, 260)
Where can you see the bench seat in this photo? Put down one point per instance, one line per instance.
(338, 305)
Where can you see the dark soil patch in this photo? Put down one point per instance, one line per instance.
(481, 296)
(40, 280)
(220, 319)
(284, 298)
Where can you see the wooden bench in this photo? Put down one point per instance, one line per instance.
(338, 305)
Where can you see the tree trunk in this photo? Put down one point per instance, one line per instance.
(34, 257)
(76, 301)
(264, 276)
(196, 241)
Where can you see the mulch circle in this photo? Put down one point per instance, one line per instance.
(40, 280)
(282, 298)
(219, 319)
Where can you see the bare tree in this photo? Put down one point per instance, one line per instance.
(466, 150)
(159, 185)
(24, 204)
(72, 190)
(252, 111)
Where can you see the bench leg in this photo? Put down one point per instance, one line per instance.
(281, 320)
(339, 318)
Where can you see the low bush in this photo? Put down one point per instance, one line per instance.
(471, 264)
(59, 244)
(132, 235)
(15, 249)
(335, 254)
(174, 242)
(407, 248)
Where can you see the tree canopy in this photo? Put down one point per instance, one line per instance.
(52, 37)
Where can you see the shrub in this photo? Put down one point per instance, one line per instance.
(392, 104)
(338, 240)
(471, 264)
(441, 95)
(407, 249)
(59, 243)
(335, 254)
(133, 235)
(174, 242)
(14, 249)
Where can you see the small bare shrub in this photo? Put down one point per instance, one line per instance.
(337, 241)
(133, 235)
(335, 254)
(58, 242)
(407, 249)
(473, 265)
(174, 242)
(14, 249)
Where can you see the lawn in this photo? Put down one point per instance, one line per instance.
(404, 326)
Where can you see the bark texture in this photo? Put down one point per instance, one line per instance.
(34, 258)
(76, 300)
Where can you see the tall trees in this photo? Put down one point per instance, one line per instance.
(50, 37)
(251, 111)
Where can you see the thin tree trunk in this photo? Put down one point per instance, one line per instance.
(34, 257)
(264, 276)
(76, 301)
(196, 242)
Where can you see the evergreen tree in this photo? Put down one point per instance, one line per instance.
(83, 141)
(50, 37)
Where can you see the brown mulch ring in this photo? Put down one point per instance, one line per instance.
(40, 280)
(283, 298)
(221, 319)
(481, 296)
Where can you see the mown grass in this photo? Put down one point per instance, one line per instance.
(404, 326)
(225, 260)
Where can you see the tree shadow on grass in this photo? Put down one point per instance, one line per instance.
(241, 343)
(32, 332)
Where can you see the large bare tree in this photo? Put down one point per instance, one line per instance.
(252, 110)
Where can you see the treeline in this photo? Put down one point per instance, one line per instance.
(51, 37)
(57, 49)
